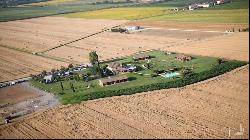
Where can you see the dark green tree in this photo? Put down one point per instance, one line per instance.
(72, 87)
(70, 66)
(62, 87)
(93, 58)
(44, 72)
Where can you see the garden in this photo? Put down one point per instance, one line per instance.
(82, 82)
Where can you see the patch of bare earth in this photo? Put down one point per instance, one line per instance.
(208, 109)
(14, 94)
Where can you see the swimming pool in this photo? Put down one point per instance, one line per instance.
(170, 74)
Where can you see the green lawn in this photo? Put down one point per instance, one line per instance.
(160, 61)
(16, 13)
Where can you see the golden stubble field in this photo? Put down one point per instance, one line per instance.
(19, 40)
(204, 110)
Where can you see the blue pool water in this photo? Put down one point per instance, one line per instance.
(170, 74)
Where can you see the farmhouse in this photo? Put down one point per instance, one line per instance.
(203, 5)
(183, 57)
(192, 7)
(116, 68)
(113, 80)
(132, 28)
(141, 57)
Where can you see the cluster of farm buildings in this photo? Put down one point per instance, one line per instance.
(116, 68)
(207, 4)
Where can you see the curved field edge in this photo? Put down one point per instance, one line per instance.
(196, 77)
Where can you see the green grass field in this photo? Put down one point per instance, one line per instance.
(236, 12)
(120, 13)
(16, 13)
(160, 61)
(214, 16)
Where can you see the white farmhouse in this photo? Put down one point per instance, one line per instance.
(203, 5)
(132, 28)
(48, 78)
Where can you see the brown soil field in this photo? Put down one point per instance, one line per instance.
(14, 94)
(190, 25)
(15, 64)
(40, 34)
(207, 109)
(109, 45)
(233, 46)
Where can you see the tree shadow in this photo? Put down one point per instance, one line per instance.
(132, 78)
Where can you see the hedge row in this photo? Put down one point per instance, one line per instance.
(190, 79)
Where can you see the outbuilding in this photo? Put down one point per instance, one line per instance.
(113, 80)
(183, 57)
(141, 57)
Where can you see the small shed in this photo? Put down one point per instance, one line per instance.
(183, 57)
(113, 80)
(141, 57)
(48, 78)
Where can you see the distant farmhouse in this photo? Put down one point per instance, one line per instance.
(207, 4)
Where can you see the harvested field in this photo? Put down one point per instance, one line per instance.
(15, 64)
(109, 45)
(204, 110)
(181, 34)
(40, 34)
(190, 25)
(233, 46)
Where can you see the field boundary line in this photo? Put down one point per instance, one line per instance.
(29, 52)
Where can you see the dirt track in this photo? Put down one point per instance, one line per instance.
(203, 110)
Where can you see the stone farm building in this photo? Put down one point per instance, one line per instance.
(113, 80)
(141, 57)
(183, 57)
(116, 68)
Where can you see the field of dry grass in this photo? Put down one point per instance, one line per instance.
(15, 64)
(233, 46)
(110, 45)
(190, 25)
(40, 34)
(203, 110)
